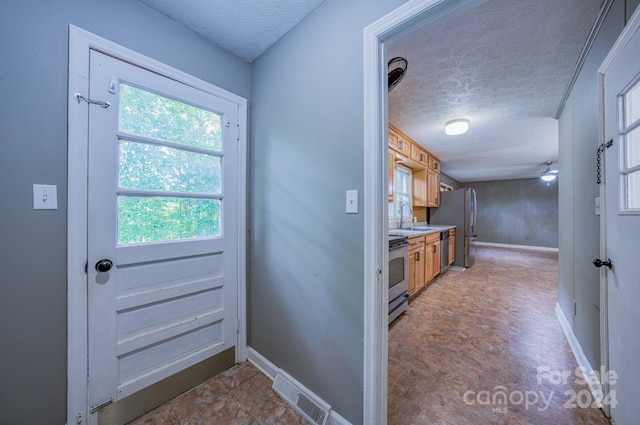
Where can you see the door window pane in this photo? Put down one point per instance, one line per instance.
(147, 114)
(153, 219)
(633, 191)
(632, 105)
(633, 148)
(151, 167)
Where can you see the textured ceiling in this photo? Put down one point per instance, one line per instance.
(505, 66)
(245, 28)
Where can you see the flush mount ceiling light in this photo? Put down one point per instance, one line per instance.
(549, 175)
(456, 127)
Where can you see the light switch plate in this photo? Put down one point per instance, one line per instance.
(45, 197)
(352, 202)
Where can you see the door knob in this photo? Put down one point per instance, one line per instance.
(104, 265)
(599, 263)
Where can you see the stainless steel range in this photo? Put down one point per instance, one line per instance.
(398, 276)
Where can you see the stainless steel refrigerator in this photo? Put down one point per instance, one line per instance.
(459, 208)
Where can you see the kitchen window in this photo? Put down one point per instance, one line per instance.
(402, 194)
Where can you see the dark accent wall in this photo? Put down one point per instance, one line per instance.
(517, 212)
(33, 118)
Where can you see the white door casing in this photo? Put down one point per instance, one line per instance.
(181, 301)
(620, 225)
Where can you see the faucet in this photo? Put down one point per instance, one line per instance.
(402, 205)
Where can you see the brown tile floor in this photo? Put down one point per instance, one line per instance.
(473, 335)
(241, 395)
(480, 332)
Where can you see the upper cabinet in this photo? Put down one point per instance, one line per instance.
(425, 166)
(399, 142)
(419, 155)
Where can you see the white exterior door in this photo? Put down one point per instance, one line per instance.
(162, 228)
(620, 79)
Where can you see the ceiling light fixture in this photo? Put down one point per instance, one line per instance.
(456, 127)
(549, 175)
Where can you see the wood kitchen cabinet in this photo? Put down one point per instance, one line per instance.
(416, 264)
(425, 168)
(432, 254)
(420, 185)
(419, 155)
(433, 188)
(434, 163)
(399, 142)
(452, 246)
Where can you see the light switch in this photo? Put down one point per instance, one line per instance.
(352, 202)
(45, 197)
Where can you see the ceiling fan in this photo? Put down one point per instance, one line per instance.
(396, 68)
(548, 174)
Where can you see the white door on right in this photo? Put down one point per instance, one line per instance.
(620, 78)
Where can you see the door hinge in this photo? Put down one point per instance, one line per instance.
(79, 419)
(575, 307)
(101, 405)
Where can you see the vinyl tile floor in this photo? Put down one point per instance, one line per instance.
(484, 346)
(480, 346)
(241, 395)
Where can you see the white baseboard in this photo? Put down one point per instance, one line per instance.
(510, 246)
(594, 384)
(270, 370)
(264, 365)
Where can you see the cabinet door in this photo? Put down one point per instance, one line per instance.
(420, 262)
(434, 164)
(418, 155)
(412, 272)
(420, 189)
(429, 266)
(436, 259)
(433, 188)
(452, 249)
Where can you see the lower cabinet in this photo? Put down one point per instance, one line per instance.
(432, 252)
(452, 246)
(416, 264)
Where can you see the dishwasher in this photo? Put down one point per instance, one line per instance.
(444, 250)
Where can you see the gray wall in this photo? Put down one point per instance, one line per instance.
(306, 300)
(579, 242)
(448, 180)
(517, 212)
(33, 116)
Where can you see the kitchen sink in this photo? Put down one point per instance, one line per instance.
(414, 231)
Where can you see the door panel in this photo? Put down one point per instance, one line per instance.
(162, 205)
(622, 225)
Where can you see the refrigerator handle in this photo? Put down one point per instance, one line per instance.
(475, 211)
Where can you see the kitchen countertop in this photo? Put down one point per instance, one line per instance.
(408, 231)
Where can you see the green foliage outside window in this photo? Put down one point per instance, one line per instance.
(154, 167)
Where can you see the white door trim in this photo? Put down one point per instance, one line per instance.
(80, 43)
(376, 145)
(623, 39)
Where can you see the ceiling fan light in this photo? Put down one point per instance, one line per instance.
(456, 127)
(548, 177)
